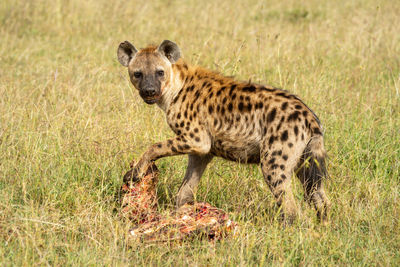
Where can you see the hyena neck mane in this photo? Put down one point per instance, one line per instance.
(191, 74)
(193, 77)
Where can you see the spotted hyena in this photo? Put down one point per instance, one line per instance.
(213, 115)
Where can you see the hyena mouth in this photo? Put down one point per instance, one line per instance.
(151, 100)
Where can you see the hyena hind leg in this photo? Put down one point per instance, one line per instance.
(311, 172)
(277, 166)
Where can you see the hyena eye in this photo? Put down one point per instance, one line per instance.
(160, 73)
(137, 74)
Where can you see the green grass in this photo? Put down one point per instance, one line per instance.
(70, 122)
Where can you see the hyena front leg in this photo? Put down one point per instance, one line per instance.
(277, 164)
(183, 144)
(196, 166)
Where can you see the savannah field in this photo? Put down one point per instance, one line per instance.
(70, 122)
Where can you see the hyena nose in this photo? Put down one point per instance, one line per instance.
(150, 91)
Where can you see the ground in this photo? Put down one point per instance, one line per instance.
(70, 122)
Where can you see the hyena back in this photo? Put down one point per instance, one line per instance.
(213, 115)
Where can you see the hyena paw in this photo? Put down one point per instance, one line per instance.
(131, 176)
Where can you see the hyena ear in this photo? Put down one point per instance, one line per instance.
(125, 53)
(170, 50)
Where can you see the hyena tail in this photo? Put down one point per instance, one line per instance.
(311, 172)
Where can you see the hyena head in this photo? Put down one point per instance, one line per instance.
(150, 69)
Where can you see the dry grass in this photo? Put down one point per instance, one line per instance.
(70, 122)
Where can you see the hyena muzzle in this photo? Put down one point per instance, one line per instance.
(213, 115)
